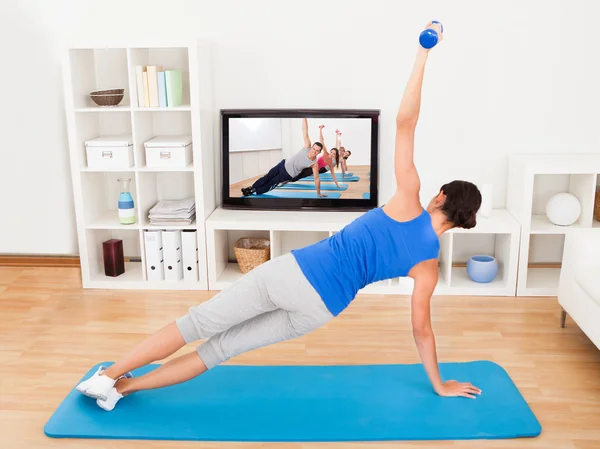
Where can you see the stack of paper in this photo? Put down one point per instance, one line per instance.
(173, 212)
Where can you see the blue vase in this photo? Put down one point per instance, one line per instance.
(482, 269)
(126, 207)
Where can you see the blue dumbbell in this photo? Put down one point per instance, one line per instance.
(429, 37)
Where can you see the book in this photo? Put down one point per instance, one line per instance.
(146, 92)
(162, 90)
(153, 84)
(174, 83)
(139, 79)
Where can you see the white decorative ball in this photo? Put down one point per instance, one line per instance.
(563, 209)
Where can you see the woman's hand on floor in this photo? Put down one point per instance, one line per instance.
(453, 388)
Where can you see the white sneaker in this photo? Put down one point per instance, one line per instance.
(113, 397)
(98, 386)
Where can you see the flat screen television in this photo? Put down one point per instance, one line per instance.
(314, 159)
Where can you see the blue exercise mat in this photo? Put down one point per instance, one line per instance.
(299, 186)
(276, 193)
(307, 403)
(366, 196)
(337, 175)
(330, 179)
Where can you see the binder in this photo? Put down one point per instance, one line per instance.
(172, 255)
(174, 85)
(153, 84)
(162, 90)
(154, 255)
(189, 250)
(139, 80)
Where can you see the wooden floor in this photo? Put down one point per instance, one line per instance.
(52, 332)
(354, 191)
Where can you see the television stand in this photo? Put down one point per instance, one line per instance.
(497, 235)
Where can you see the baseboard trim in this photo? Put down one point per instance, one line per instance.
(39, 261)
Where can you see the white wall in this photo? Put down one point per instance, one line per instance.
(511, 76)
(254, 134)
(255, 145)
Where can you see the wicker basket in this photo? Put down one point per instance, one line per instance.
(108, 97)
(251, 252)
(597, 205)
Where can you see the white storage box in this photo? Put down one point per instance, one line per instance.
(110, 152)
(169, 151)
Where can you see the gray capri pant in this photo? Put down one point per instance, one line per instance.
(272, 303)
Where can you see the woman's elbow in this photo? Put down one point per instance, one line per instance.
(422, 332)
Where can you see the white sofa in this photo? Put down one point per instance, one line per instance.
(579, 285)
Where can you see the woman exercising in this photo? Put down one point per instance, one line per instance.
(294, 294)
(345, 154)
(334, 153)
(340, 151)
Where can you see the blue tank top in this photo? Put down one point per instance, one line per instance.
(372, 248)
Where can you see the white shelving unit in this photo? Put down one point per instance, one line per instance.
(533, 179)
(102, 65)
(497, 236)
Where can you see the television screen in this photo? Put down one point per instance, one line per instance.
(300, 159)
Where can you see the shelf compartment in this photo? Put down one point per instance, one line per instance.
(95, 69)
(176, 58)
(283, 242)
(231, 273)
(158, 186)
(225, 269)
(540, 224)
(131, 252)
(545, 186)
(544, 261)
(495, 245)
(100, 197)
(92, 125)
(543, 279)
(161, 123)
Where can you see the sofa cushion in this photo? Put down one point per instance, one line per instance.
(589, 280)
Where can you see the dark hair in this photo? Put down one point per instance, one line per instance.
(463, 200)
(337, 157)
(319, 144)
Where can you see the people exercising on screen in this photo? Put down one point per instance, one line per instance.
(324, 162)
(287, 169)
